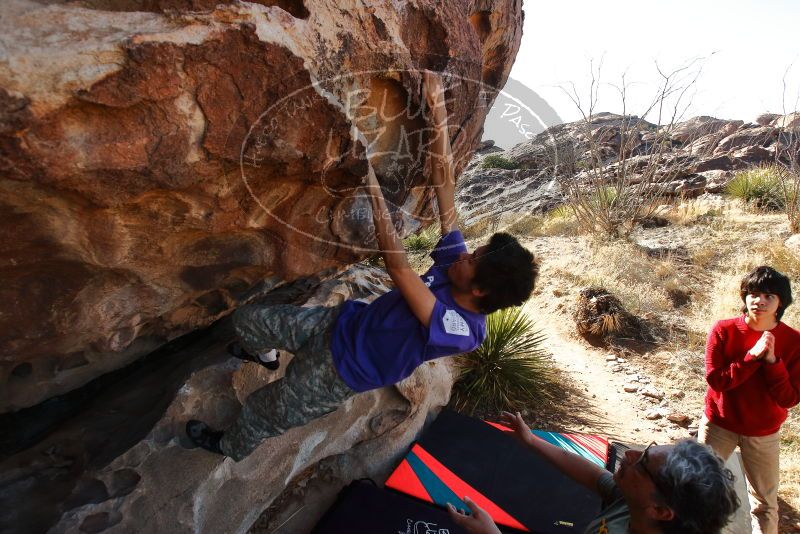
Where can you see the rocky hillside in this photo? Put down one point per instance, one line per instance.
(695, 156)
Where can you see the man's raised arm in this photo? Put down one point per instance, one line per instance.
(578, 469)
(443, 178)
(416, 294)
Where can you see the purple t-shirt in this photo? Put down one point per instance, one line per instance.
(378, 344)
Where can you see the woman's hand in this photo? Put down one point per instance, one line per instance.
(517, 424)
(478, 522)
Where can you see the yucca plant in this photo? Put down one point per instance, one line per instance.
(422, 243)
(759, 186)
(510, 369)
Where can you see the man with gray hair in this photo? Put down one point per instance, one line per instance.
(681, 488)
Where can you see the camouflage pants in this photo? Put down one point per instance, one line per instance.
(311, 387)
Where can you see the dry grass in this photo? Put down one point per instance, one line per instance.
(625, 271)
(483, 227)
(558, 222)
(689, 212)
(790, 461)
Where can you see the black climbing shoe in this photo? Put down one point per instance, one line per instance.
(237, 351)
(202, 436)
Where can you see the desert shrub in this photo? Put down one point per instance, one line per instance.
(525, 225)
(687, 212)
(560, 212)
(508, 370)
(599, 314)
(496, 161)
(759, 187)
(561, 220)
(558, 221)
(484, 226)
(422, 242)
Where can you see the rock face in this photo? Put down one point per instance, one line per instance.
(121, 464)
(698, 155)
(163, 161)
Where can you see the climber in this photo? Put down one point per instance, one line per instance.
(683, 488)
(356, 347)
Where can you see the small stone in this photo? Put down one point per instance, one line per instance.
(611, 358)
(680, 419)
(617, 369)
(631, 372)
(630, 388)
(622, 360)
(652, 415)
(651, 392)
(677, 394)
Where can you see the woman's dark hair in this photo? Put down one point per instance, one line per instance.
(699, 489)
(506, 271)
(765, 279)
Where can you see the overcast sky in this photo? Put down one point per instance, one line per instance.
(748, 46)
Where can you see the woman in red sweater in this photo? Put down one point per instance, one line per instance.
(753, 375)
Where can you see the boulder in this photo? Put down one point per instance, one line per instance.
(688, 186)
(697, 127)
(121, 462)
(167, 160)
(789, 121)
(756, 136)
(767, 119)
(716, 180)
(754, 155)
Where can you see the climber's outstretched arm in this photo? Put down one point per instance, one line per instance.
(417, 295)
(578, 469)
(443, 178)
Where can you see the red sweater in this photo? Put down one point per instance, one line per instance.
(746, 396)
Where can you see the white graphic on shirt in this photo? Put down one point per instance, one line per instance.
(455, 324)
(429, 282)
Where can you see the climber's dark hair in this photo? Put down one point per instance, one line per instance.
(765, 279)
(506, 271)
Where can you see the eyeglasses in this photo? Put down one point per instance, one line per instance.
(642, 462)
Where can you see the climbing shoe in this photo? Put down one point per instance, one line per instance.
(236, 350)
(202, 436)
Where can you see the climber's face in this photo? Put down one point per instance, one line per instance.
(462, 272)
(639, 481)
